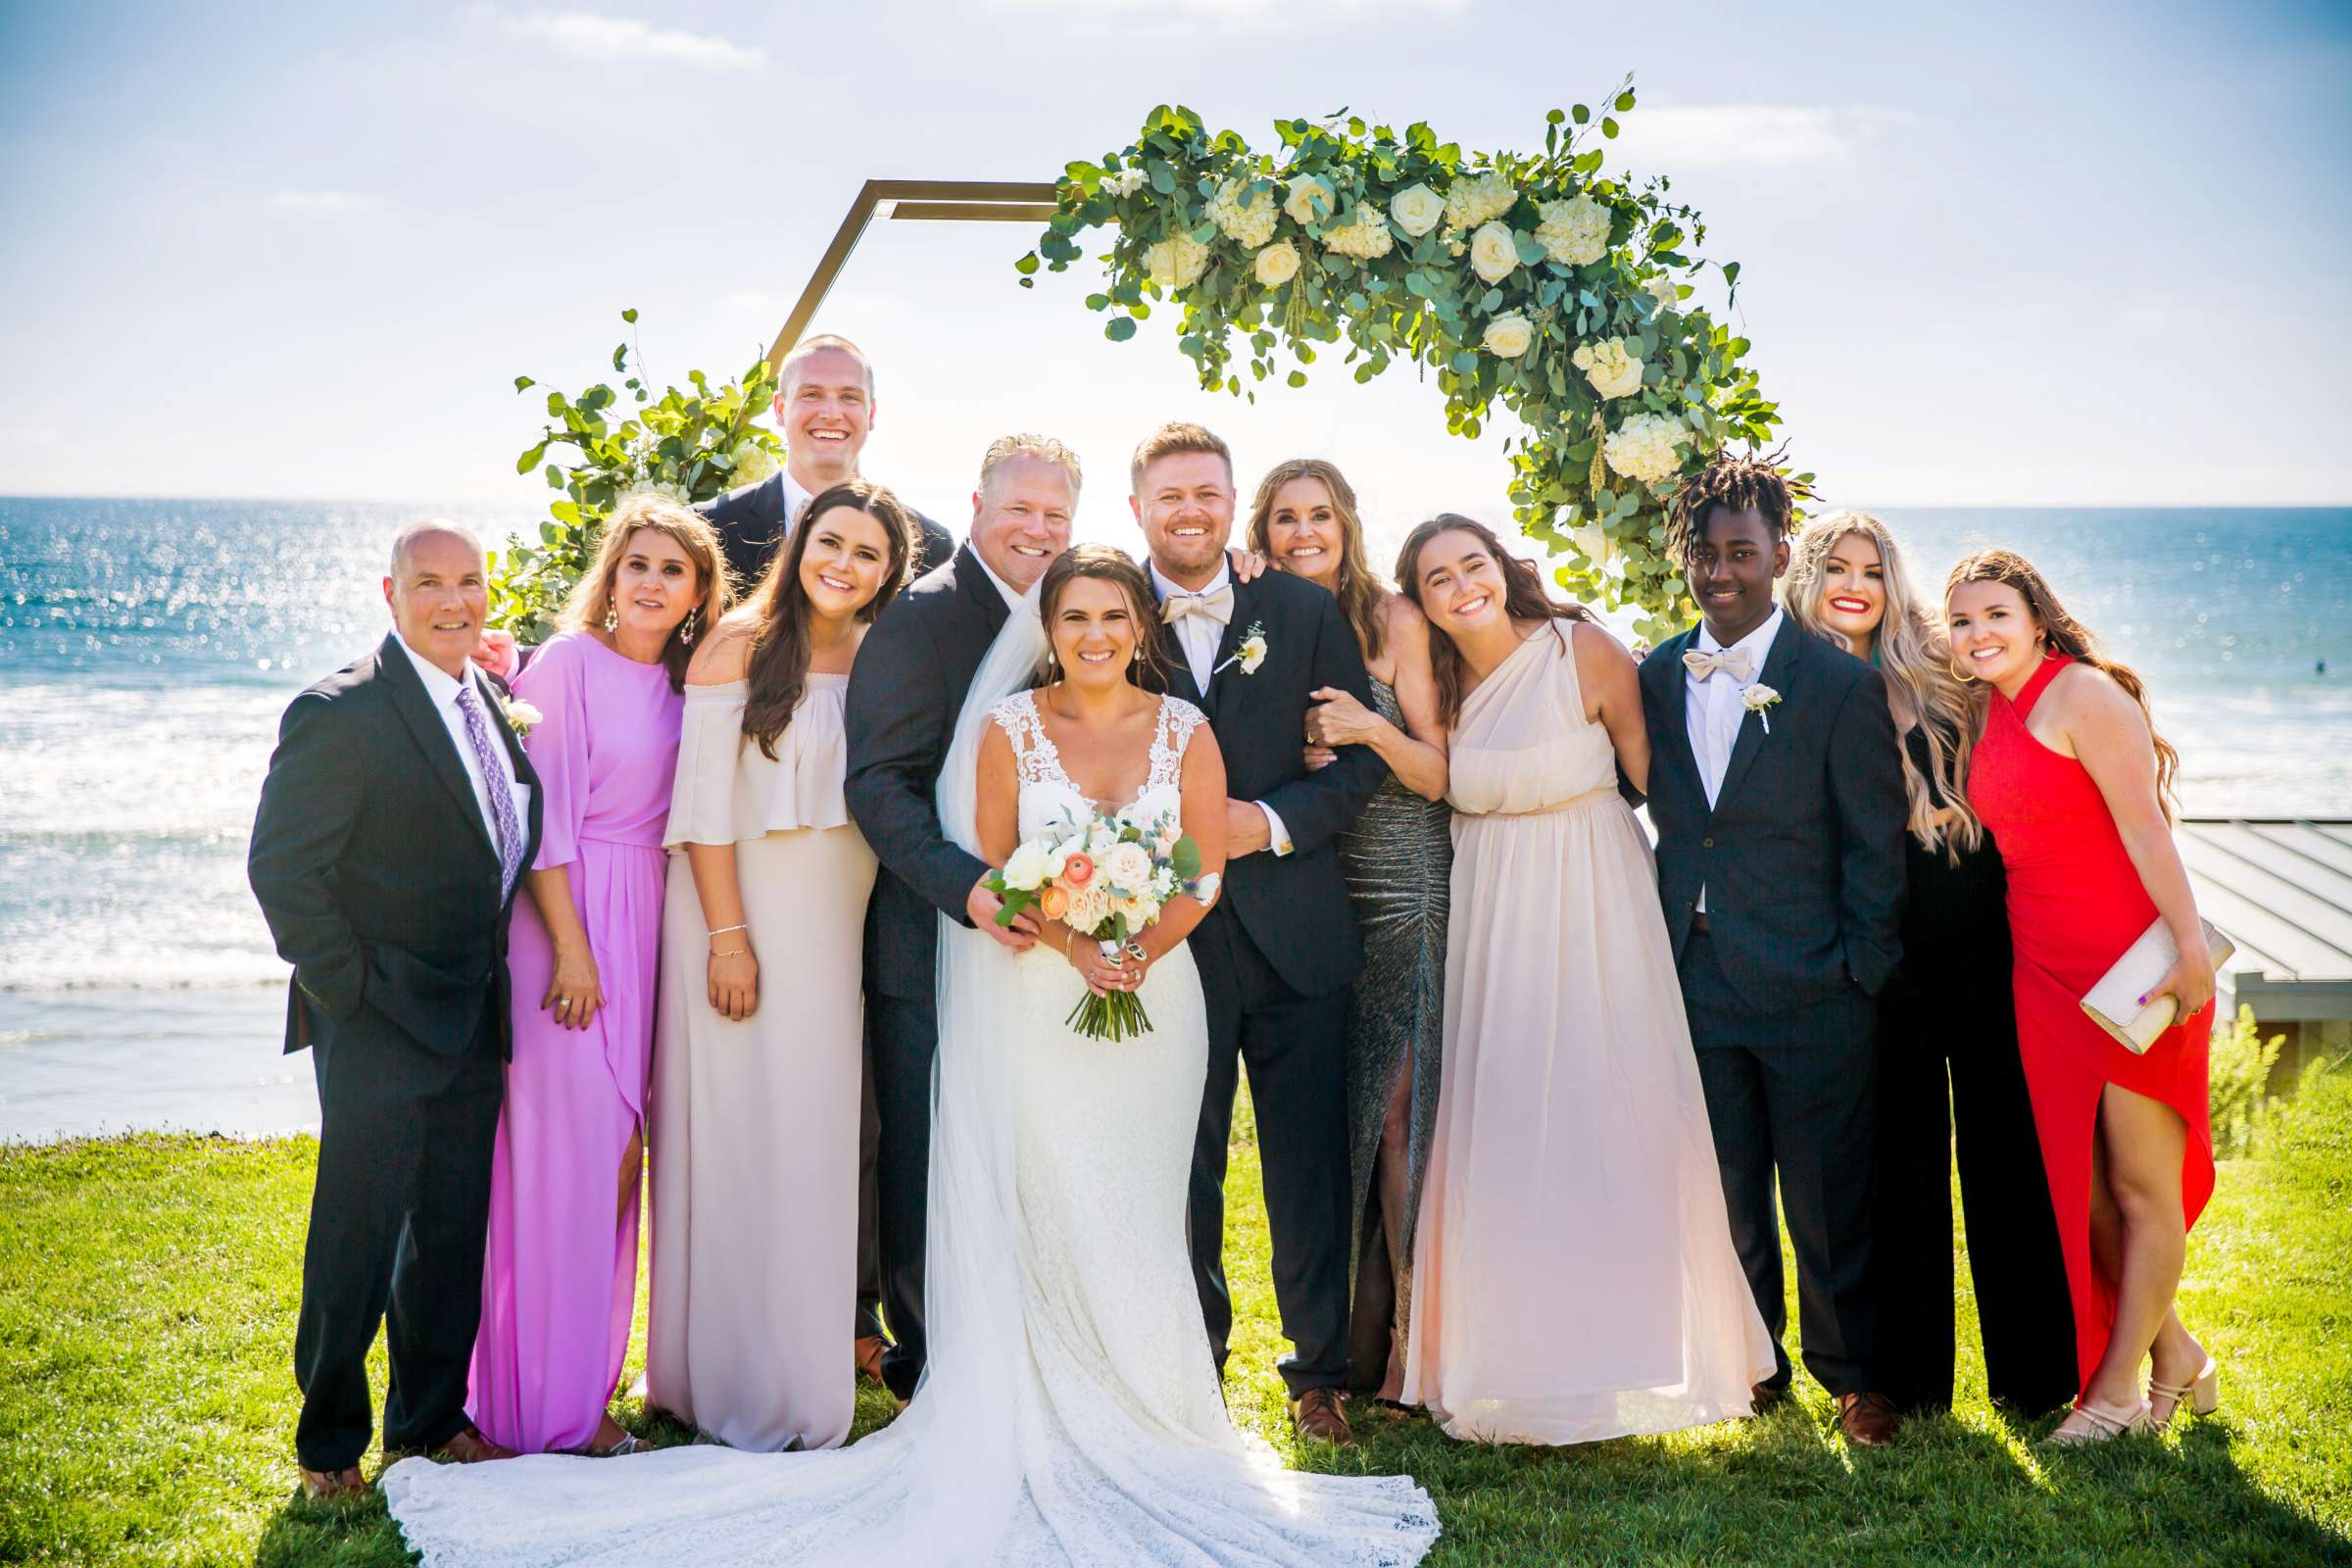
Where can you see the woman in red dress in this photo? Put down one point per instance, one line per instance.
(2071, 778)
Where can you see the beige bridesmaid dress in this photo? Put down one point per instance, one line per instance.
(1574, 1277)
(755, 1124)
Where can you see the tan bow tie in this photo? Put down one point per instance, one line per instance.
(1736, 662)
(1217, 605)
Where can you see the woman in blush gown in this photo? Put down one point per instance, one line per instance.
(559, 1281)
(1575, 1278)
(2071, 779)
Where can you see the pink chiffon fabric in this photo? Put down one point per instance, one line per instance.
(560, 1280)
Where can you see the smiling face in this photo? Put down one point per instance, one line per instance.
(1305, 532)
(844, 561)
(1184, 504)
(439, 592)
(825, 412)
(1993, 633)
(1854, 589)
(1461, 585)
(655, 585)
(1095, 629)
(1732, 562)
(1022, 519)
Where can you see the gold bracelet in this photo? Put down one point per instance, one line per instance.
(732, 952)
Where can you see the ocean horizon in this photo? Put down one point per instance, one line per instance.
(148, 646)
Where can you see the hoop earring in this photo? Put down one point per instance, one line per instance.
(1960, 675)
(686, 632)
(612, 616)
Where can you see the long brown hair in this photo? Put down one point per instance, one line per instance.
(1360, 594)
(1110, 565)
(2068, 636)
(590, 598)
(1911, 652)
(1524, 598)
(778, 667)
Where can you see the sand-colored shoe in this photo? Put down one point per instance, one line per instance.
(2087, 1423)
(2202, 1394)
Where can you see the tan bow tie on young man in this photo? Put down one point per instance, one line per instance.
(1738, 662)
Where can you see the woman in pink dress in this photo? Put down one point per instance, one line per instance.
(561, 1281)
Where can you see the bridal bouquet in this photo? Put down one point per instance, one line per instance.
(1106, 879)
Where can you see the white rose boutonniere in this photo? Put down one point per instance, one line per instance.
(1251, 653)
(1756, 699)
(521, 715)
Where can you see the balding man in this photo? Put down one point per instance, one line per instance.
(397, 816)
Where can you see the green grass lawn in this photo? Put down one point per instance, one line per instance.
(148, 1288)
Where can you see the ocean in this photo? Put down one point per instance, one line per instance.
(148, 647)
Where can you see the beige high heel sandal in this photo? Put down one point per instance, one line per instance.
(2203, 1395)
(2099, 1426)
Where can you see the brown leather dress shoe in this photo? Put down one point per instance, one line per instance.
(470, 1446)
(1318, 1415)
(1762, 1396)
(1868, 1419)
(867, 1352)
(335, 1486)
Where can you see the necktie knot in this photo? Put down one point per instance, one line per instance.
(1738, 662)
(1216, 604)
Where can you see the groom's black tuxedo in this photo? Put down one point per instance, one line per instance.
(1801, 862)
(752, 523)
(905, 691)
(381, 882)
(1276, 956)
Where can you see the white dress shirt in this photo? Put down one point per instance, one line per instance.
(1013, 600)
(1199, 637)
(795, 500)
(442, 688)
(1713, 713)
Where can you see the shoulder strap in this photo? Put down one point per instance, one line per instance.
(2040, 683)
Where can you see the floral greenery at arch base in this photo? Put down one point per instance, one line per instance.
(1533, 280)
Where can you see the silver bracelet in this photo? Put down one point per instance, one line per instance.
(724, 929)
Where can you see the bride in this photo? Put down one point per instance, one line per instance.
(1071, 1412)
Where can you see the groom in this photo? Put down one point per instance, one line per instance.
(1777, 792)
(1278, 951)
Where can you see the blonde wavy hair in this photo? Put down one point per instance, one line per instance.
(590, 598)
(1360, 594)
(1916, 662)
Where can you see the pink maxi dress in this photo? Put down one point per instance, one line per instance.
(560, 1280)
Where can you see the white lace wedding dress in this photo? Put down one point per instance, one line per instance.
(1071, 1414)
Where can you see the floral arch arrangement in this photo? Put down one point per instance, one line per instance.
(1533, 280)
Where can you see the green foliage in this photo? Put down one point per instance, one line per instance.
(2239, 1080)
(1423, 300)
(692, 445)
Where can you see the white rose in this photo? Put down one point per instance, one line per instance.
(1643, 448)
(1177, 263)
(1495, 252)
(1140, 911)
(1278, 263)
(1574, 231)
(1026, 869)
(1593, 540)
(1099, 840)
(1508, 336)
(1416, 208)
(1364, 235)
(1474, 198)
(1253, 652)
(1311, 199)
(1663, 289)
(1613, 371)
(1090, 908)
(1129, 867)
(1246, 213)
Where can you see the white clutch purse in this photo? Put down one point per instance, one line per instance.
(2114, 1002)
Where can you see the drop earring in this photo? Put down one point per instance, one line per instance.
(612, 616)
(686, 632)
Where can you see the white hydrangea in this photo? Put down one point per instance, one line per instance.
(1643, 448)
(1277, 264)
(1245, 212)
(1311, 199)
(1574, 231)
(1663, 289)
(1177, 263)
(1363, 236)
(1416, 208)
(752, 463)
(1495, 252)
(1126, 182)
(1474, 198)
(1611, 367)
(1508, 336)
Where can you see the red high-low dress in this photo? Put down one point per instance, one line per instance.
(2075, 902)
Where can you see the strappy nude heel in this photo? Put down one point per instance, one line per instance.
(2099, 1425)
(2202, 1393)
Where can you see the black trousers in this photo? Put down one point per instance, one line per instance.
(1296, 1050)
(867, 1323)
(1794, 1093)
(904, 1032)
(400, 1212)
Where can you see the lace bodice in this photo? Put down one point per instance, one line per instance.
(1049, 796)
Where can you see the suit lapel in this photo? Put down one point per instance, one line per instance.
(1775, 675)
(971, 576)
(417, 710)
(1223, 666)
(1676, 704)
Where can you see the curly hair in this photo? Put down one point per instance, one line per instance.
(1735, 484)
(1360, 594)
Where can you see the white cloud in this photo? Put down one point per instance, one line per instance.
(593, 37)
(1778, 135)
(323, 201)
(1161, 18)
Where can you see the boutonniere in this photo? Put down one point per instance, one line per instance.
(1251, 653)
(520, 714)
(1756, 699)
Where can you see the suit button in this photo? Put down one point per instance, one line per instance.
(1706, 844)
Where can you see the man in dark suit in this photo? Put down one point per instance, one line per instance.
(905, 691)
(1777, 792)
(1278, 951)
(396, 820)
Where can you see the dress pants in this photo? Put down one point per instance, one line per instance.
(1296, 1050)
(1794, 1092)
(903, 1033)
(867, 1323)
(400, 1213)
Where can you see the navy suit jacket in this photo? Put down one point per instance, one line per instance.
(750, 526)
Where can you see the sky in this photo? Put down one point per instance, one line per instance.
(2035, 255)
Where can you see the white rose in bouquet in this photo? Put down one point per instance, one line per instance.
(1508, 336)
(1474, 198)
(1277, 264)
(1128, 868)
(1090, 906)
(1140, 911)
(1662, 288)
(1643, 448)
(1495, 252)
(1613, 371)
(1099, 840)
(1177, 263)
(1416, 208)
(1575, 232)
(1311, 199)
(1027, 868)
(1363, 236)
(1246, 213)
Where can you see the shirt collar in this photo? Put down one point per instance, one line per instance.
(439, 684)
(1760, 640)
(795, 498)
(1161, 585)
(1013, 600)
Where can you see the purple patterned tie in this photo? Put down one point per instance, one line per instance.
(494, 781)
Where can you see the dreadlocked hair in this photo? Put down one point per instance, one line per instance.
(1736, 483)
